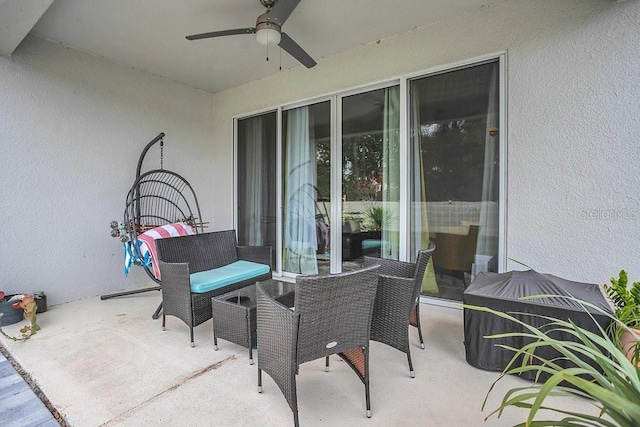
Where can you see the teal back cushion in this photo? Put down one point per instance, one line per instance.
(371, 244)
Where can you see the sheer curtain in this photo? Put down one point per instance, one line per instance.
(419, 218)
(300, 239)
(256, 181)
(391, 174)
(254, 230)
(486, 245)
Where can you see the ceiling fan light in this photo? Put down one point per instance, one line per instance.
(268, 36)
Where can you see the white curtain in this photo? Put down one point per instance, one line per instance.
(254, 162)
(300, 239)
(419, 218)
(419, 222)
(391, 174)
(485, 244)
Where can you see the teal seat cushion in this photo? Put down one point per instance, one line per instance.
(371, 244)
(208, 280)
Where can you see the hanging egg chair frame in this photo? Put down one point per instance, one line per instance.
(157, 197)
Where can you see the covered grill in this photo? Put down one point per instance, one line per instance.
(502, 292)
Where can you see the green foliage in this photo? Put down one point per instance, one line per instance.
(453, 154)
(609, 378)
(362, 167)
(323, 167)
(625, 299)
(374, 216)
(377, 217)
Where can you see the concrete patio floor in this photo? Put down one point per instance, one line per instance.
(107, 363)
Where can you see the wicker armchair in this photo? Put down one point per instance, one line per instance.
(456, 252)
(332, 316)
(397, 301)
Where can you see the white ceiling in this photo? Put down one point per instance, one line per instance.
(150, 34)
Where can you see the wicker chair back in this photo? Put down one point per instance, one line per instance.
(398, 300)
(332, 315)
(422, 260)
(203, 251)
(335, 312)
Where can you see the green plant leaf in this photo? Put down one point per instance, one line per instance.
(600, 372)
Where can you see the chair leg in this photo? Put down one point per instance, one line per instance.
(417, 311)
(215, 341)
(156, 313)
(259, 380)
(191, 330)
(358, 360)
(164, 318)
(292, 399)
(411, 372)
(326, 364)
(366, 381)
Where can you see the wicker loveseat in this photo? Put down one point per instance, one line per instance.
(356, 243)
(195, 268)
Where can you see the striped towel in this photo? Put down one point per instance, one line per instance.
(146, 242)
(131, 256)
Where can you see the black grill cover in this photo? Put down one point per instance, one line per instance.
(501, 292)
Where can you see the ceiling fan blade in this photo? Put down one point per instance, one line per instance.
(234, 32)
(293, 49)
(281, 11)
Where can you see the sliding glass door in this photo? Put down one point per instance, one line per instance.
(455, 164)
(370, 176)
(256, 178)
(306, 176)
(381, 172)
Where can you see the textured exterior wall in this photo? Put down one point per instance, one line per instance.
(71, 129)
(573, 205)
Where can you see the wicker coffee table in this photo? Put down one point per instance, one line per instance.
(234, 314)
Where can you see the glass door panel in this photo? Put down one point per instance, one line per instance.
(306, 194)
(454, 126)
(256, 178)
(370, 176)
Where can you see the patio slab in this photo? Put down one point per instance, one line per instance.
(107, 363)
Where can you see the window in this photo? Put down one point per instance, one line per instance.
(381, 171)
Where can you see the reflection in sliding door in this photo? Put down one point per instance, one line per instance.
(306, 177)
(256, 177)
(455, 174)
(370, 176)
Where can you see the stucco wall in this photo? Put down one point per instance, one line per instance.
(71, 129)
(72, 126)
(573, 121)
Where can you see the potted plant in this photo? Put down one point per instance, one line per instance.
(627, 305)
(9, 314)
(27, 304)
(374, 217)
(600, 371)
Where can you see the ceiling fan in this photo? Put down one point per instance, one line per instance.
(268, 30)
